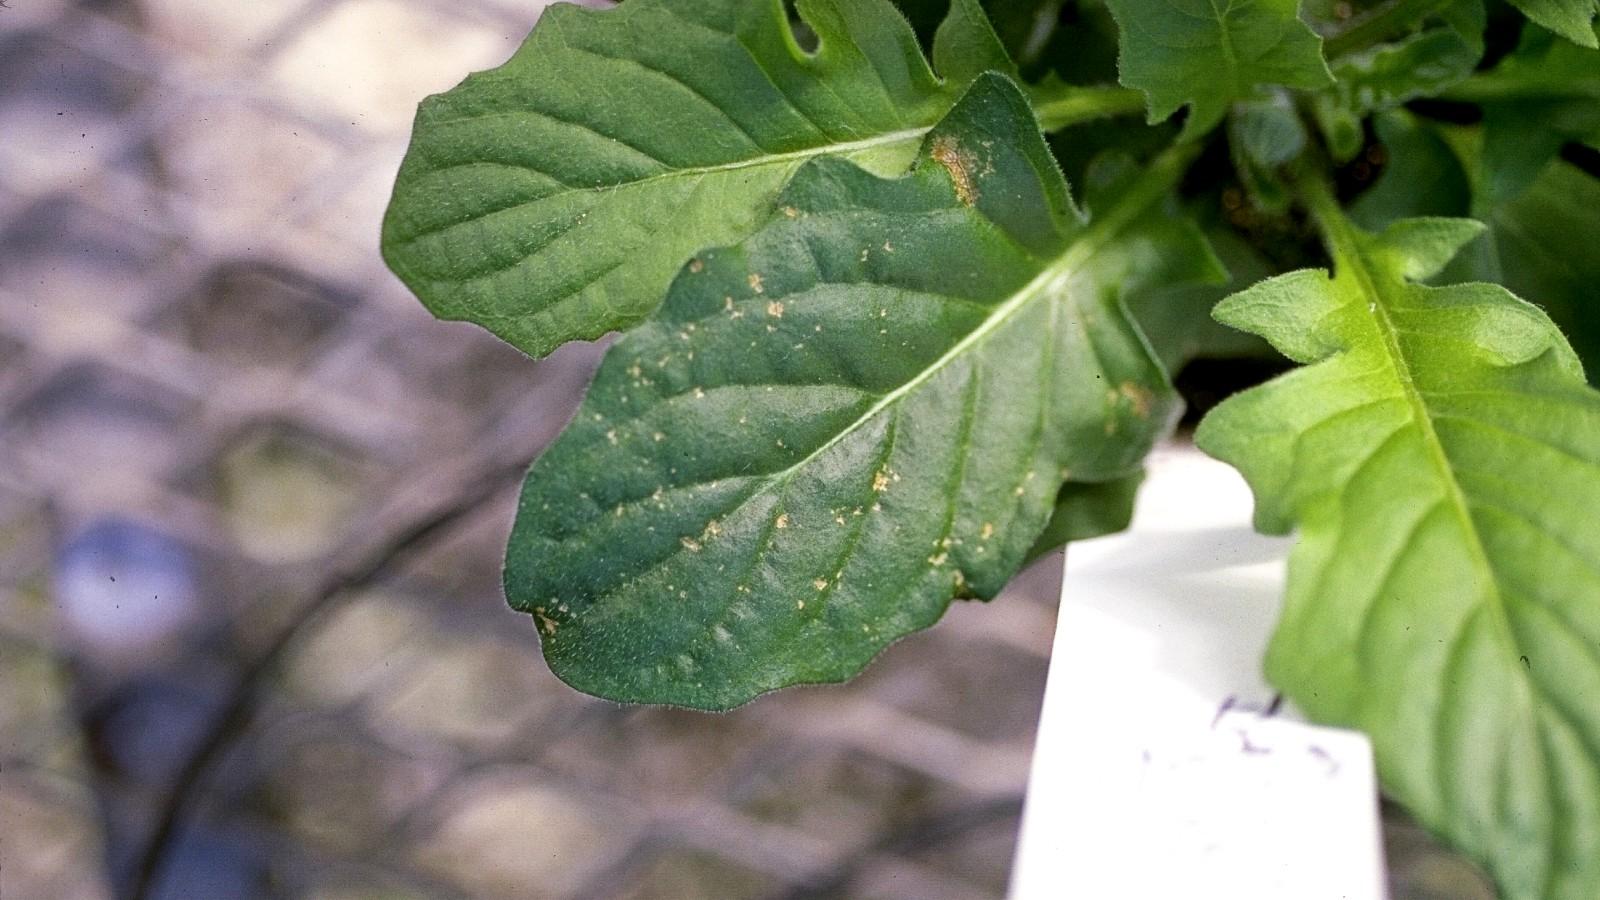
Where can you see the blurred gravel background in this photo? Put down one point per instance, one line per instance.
(252, 505)
(222, 422)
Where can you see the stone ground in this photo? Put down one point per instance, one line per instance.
(253, 498)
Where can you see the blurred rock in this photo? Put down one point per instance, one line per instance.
(509, 836)
(675, 874)
(52, 849)
(286, 495)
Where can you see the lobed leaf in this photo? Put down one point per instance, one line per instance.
(1439, 453)
(1205, 54)
(1539, 243)
(830, 430)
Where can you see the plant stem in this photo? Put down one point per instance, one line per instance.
(1496, 86)
(1379, 23)
(1317, 195)
(1075, 104)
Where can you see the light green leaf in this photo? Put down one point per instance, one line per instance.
(1539, 244)
(829, 431)
(1206, 54)
(1439, 453)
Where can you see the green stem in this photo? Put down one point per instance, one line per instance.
(1337, 232)
(1074, 104)
(1496, 86)
(1379, 23)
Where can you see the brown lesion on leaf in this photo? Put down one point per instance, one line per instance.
(1139, 398)
(961, 165)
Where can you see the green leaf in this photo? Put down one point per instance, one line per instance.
(553, 198)
(1572, 19)
(1535, 100)
(1421, 177)
(1206, 54)
(1264, 133)
(829, 431)
(1439, 452)
(1387, 75)
(1176, 316)
(1087, 510)
(1025, 26)
(1539, 244)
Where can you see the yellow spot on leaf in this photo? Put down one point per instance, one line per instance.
(545, 622)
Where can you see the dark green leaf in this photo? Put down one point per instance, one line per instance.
(1176, 316)
(1439, 452)
(1572, 19)
(1264, 133)
(1536, 99)
(553, 198)
(1025, 26)
(1421, 177)
(1543, 245)
(832, 429)
(1087, 510)
(1387, 75)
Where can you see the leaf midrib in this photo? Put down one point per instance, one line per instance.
(1347, 254)
(1160, 176)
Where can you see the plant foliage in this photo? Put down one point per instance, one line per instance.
(878, 355)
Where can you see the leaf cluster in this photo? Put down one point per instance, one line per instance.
(876, 354)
